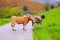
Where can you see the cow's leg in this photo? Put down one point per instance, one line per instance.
(40, 26)
(13, 26)
(33, 26)
(24, 27)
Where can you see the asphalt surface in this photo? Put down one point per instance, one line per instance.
(6, 32)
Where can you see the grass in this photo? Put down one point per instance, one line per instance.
(4, 21)
(50, 26)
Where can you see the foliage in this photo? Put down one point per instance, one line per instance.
(50, 26)
(8, 12)
(4, 21)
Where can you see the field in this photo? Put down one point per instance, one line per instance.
(50, 26)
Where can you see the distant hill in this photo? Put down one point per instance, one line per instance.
(34, 6)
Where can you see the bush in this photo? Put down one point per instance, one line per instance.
(8, 12)
(4, 21)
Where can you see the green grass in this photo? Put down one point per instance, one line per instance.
(50, 26)
(4, 21)
(8, 12)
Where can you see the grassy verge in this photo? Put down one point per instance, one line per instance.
(4, 21)
(50, 26)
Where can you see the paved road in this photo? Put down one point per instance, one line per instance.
(7, 34)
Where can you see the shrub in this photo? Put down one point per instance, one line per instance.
(8, 12)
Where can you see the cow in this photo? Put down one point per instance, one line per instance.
(20, 20)
(38, 19)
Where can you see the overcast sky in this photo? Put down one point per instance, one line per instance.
(50, 1)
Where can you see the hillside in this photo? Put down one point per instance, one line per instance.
(20, 3)
(50, 26)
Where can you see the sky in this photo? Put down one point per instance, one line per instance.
(49, 1)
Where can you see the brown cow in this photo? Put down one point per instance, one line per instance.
(20, 20)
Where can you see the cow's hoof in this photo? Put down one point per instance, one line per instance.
(24, 29)
(13, 29)
(33, 29)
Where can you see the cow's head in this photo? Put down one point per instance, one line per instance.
(42, 16)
